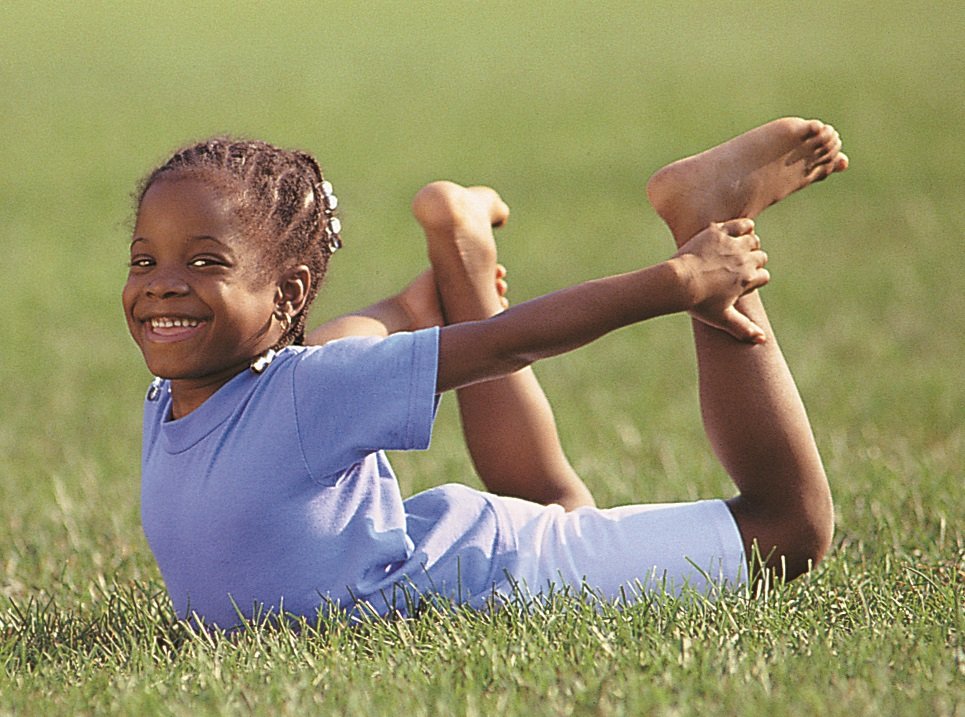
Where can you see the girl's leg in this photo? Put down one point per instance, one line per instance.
(752, 412)
(508, 423)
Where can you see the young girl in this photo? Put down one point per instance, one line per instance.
(265, 488)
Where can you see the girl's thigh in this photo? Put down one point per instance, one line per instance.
(624, 551)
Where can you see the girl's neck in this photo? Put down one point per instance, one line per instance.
(188, 394)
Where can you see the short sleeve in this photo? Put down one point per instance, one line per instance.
(358, 395)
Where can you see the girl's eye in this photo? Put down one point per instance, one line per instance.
(140, 262)
(203, 261)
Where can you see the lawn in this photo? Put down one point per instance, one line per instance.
(566, 108)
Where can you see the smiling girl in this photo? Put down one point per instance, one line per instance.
(265, 486)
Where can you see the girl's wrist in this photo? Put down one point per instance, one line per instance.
(683, 281)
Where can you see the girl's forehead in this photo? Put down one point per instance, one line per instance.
(190, 192)
(185, 207)
(187, 210)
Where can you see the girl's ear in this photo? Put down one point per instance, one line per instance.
(293, 287)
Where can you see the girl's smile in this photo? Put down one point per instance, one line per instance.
(197, 302)
(166, 329)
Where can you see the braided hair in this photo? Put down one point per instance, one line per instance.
(281, 198)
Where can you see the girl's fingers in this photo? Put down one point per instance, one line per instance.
(502, 286)
(742, 328)
(738, 227)
(749, 242)
(760, 278)
(760, 258)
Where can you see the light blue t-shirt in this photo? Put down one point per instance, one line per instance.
(275, 493)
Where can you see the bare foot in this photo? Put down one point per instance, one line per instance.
(745, 175)
(458, 223)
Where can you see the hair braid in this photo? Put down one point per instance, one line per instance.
(281, 200)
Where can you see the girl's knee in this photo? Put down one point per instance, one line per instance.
(787, 540)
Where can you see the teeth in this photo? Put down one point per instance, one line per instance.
(170, 323)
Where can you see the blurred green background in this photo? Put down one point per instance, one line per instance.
(565, 108)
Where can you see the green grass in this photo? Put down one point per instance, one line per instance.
(565, 108)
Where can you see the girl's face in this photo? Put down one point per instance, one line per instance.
(197, 302)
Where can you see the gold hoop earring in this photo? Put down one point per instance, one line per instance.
(284, 319)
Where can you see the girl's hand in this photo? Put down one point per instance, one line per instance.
(721, 264)
(420, 299)
(420, 302)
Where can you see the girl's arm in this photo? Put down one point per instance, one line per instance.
(415, 307)
(706, 277)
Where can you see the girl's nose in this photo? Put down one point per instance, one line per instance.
(167, 284)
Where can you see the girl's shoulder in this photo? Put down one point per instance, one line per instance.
(367, 366)
(371, 353)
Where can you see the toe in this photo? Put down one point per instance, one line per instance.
(825, 136)
(812, 128)
(820, 171)
(829, 148)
